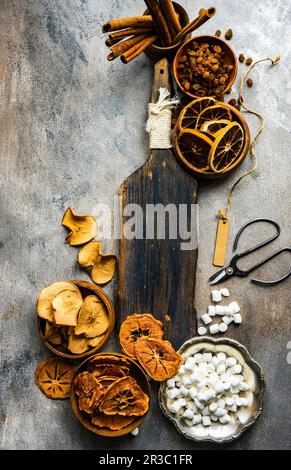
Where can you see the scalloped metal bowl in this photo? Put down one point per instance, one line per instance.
(246, 417)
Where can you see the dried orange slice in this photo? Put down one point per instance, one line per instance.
(53, 377)
(113, 422)
(124, 397)
(214, 126)
(214, 113)
(158, 358)
(194, 147)
(189, 115)
(138, 326)
(227, 147)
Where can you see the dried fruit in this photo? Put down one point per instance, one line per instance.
(93, 319)
(232, 102)
(241, 58)
(218, 33)
(158, 358)
(102, 370)
(213, 127)
(95, 342)
(195, 146)
(102, 267)
(47, 295)
(83, 228)
(214, 113)
(250, 82)
(85, 384)
(53, 334)
(53, 377)
(124, 397)
(66, 306)
(114, 423)
(190, 113)
(249, 61)
(227, 147)
(138, 326)
(229, 34)
(78, 344)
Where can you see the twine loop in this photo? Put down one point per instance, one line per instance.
(159, 121)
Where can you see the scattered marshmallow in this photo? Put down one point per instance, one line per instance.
(235, 307)
(237, 318)
(225, 292)
(171, 383)
(197, 420)
(206, 319)
(212, 310)
(206, 421)
(225, 419)
(227, 320)
(223, 327)
(135, 432)
(202, 331)
(216, 296)
(214, 329)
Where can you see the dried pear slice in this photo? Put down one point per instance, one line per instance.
(124, 397)
(102, 267)
(94, 342)
(93, 319)
(47, 295)
(83, 228)
(114, 423)
(85, 384)
(53, 377)
(53, 334)
(158, 358)
(138, 326)
(78, 344)
(66, 306)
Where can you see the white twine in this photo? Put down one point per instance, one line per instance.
(159, 120)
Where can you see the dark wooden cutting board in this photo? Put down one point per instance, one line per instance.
(156, 276)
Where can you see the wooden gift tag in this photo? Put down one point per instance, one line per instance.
(221, 242)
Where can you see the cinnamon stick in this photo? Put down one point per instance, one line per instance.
(204, 15)
(115, 38)
(120, 48)
(136, 50)
(171, 17)
(159, 21)
(131, 22)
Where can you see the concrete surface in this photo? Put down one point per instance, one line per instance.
(72, 129)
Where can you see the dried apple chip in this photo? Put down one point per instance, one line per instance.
(102, 267)
(78, 344)
(93, 319)
(53, 377)
(53, 334)
(83, 228)
(158, 358)
(114, 422)
(66, 306)
(47, 295)
(94, 342)
(138, 326)
(124, 397)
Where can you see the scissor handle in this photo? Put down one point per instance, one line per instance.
(277, 281)
(260, 245)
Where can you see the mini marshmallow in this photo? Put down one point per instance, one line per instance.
(213, 407)
(237, 369)
(235, 307)
(233, 409)
(202, 397)
(188, 414)
(238, 402)
(216, 296)
(199, 405)
(182, 370)
(207, 357)
(234, 381)
(221, 403)
(221, 369)
(209, 394)
(214, 329)
(210, 368)
(244, 387)
(219, 387)
(197, 420)
(225, 292)
(221, 357)
(244, 402)
(206, 319)
(223, 327)
(225, 419)
(220, 412)
(205, 411)
(171, 383)
(214, 418)
(186, 381)
(227, 320)
(227, 386)
(198, 358)
(229, 401)
(206, 421)
(202, 331)
(212, 310)
(177, 405)
(231, 361)
(189, 364)
(240, 378)
(135, 432)
(173, 393)
(237, 318)
(195, 378)
(184, 391)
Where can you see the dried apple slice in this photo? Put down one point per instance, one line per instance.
(53, 377)
(138, 326)
(53, 334)
(83, 228)
(94, 342)
(78, 344)
(66, 306)
(47, 295)
(93, 319)
(102, 267)
(124, 397)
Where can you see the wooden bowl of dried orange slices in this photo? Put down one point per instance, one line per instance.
(75, 318)
(211, 138)
(110, 394)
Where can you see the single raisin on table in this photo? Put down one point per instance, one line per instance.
(250, 82)
(249, 61)
(218, 33)
(241, 58)
(228, 35)
(232, 102)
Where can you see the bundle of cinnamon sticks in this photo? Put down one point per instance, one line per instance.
(129, 37)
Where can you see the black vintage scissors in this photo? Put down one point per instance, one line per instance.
(233, 270)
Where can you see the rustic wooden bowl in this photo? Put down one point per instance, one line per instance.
(230, 59)
(237, 116)
(142, 381)
(157, 52)
(87, 288)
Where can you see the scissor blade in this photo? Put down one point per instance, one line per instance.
(218, 277)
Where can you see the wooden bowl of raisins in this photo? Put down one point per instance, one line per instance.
(205, 66)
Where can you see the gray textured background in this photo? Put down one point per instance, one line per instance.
(72, 128)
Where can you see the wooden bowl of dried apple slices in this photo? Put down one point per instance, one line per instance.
(75, 318)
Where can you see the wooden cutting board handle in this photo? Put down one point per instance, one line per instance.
(161, 78)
